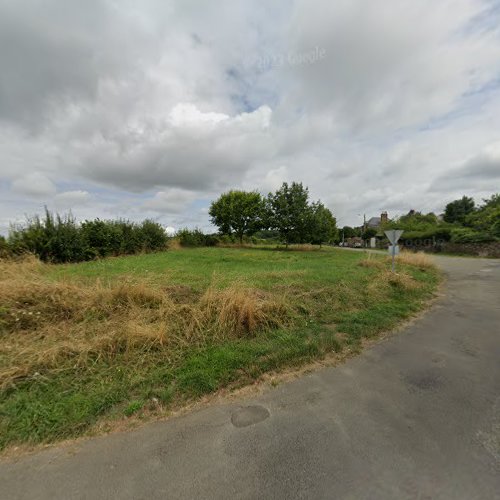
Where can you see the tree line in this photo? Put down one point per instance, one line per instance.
(288, 211)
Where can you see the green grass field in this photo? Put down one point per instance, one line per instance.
(87, 343)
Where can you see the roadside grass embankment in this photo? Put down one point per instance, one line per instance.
(85, 343)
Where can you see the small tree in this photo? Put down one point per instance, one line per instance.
(458, 210)
(323, 226)
(238, 212)
(350, 232)
(289, 212)
(369, 233)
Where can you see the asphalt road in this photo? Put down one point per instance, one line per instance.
(415, 416)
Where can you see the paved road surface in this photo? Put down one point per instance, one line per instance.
(416, 416)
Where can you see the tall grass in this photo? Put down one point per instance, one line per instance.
(80, 341)
(49, 324)
(418, 259)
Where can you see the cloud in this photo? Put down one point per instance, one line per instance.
(157, 108)
(484, 166)
(389, 63)
(172, 201)
(72, 199)
(35, 185)
(191, 150)
(481, 171)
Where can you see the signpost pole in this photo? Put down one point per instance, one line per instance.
(393, 236)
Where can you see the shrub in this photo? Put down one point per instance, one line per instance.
(102, 238)
(58, 238)
(4, 247)
(153, 236)
(53, 238)
(468, 235)
(192, 238)
(422, 238)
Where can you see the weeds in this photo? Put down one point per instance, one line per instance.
(47, 323)
(419, 259)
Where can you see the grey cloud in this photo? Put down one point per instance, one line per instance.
(34, 185)
(88, 90)
(71, 199)
(52, 53)
(171, 201)
(388, 63)
(482, 171)
(201, 152)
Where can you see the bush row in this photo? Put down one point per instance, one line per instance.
(196, 238)
(438, 234)
(442, 235)
(56, 238)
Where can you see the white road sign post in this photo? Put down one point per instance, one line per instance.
(393, 236)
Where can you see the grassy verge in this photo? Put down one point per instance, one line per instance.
(108, 339)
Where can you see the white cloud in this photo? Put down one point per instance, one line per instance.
(71, 199)
(172, 201)
(116, 99)
(194, 150)
(35, 185)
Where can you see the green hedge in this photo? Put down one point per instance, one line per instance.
(56, 238)
(437, 235)
(468, 235)
(196, 238)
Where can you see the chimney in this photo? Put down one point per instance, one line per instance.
(384, 219)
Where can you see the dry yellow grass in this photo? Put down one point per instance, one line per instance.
(51, 324)
(174, 244)
(371, 261)
(419, 259)
(401, 280)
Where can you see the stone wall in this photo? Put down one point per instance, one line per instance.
(491, 249)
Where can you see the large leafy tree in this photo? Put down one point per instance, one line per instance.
(322, 225)
(415, 221)
(289, 212)
(487, 217)
(238, 212)
(458, 210)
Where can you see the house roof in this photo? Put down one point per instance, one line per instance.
(374, 222)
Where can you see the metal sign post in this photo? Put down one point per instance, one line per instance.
(393, 236)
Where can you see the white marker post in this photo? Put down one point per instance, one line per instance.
(393, 236)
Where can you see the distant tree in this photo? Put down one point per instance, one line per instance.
(349, 232)
(486, 218)
(415, 221)
(458, 210)
(289, 212)
(370, 232)
(238, 212)
(322, 225)
(492, 202)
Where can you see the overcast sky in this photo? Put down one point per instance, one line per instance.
(153, 108)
